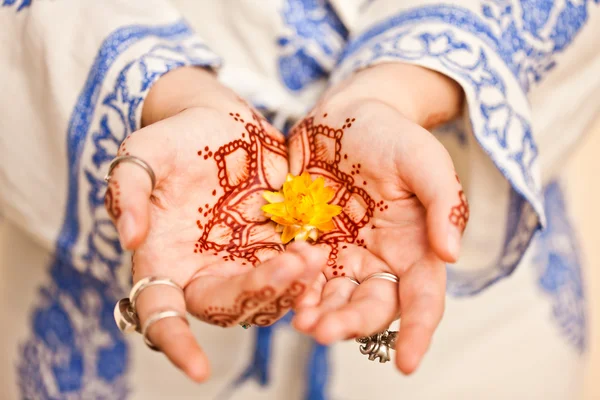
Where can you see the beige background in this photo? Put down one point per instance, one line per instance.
(582, 178)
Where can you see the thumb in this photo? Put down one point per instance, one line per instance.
(429, 173)
(127, 201)
(130, 184)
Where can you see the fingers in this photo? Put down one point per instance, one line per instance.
(127, 198)
(313, 294)
(261, 296)
(437, 186)
(127, 201)
(372, 307)
(422, 296)
(334, 294)
(172, 336)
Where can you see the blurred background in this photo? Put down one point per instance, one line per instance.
(582, 176)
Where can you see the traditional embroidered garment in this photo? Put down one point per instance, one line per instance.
(74, 75)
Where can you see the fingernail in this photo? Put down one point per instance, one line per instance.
(454, 239)
(126, 228)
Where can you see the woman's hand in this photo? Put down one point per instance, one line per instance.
(202, 225)
(404, 210)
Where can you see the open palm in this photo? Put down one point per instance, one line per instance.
(202, 226)
(403, 212)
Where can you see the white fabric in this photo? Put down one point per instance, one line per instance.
(74, 75)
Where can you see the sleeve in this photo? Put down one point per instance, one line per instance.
(74, 76)
(499, 52)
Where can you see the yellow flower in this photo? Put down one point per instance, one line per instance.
(301, 208)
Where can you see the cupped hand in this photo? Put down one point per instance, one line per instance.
(201, 225)
(403, 212)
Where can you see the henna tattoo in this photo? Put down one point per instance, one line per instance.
(270, 313)
(207, 153)
(246, 168)
(459, 214)
(228, 316)
(123, 147)
(348, 123)
(113, 191)
(252, 302)
(381, 205)
(111, 200)
(318, 150)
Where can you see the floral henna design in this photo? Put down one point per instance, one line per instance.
(270, 313)
(111, 200)
(459, 214)
(251, 300)
(319, 151)
(228, 316)
(246, 168)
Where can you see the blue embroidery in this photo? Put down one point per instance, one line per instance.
(75, 348)
(21, 6)
(459, 42)
(557, 259)
(533, 35)
(311, 47)
(406, 38)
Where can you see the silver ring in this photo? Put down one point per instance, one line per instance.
(352, 280)
(126, 318)
(135, 160)
(145, 283)
(378, 346)
(347, 277)
(382, 275)
(154, 318)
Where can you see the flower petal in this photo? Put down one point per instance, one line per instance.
(313, 234)
(326, 226)
(289, 232)
(273, 197)
(284, 221)
(277, 209)
(301, 235)
(324, 213)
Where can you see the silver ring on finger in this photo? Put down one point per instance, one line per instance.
(125, 316)
(382, 275)
(135, 160)
(154, 318)
(352, 280)
(145, 283)
(349, 278)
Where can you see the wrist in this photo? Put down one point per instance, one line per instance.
(423, 96)
(178, 90)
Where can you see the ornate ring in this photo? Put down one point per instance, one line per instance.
(382, 275)
(154, 318)
(378, 346)
(135, 160)
(145, 283)
(126, 317)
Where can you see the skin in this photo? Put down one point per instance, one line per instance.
(399, 216)
(203, 228)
